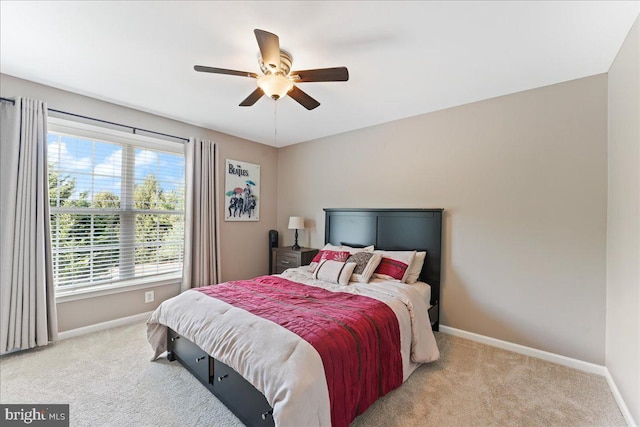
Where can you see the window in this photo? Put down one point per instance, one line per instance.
(116, 205)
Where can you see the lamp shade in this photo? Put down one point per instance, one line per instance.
(296, 223)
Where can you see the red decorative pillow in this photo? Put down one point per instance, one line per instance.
(340, 256)
(391, 268)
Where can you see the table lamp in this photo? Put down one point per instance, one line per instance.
(296, 223)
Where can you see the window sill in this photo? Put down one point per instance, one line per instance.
(132, 285)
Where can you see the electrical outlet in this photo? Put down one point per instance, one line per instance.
(148, 296)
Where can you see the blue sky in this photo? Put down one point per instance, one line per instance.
(80, 157)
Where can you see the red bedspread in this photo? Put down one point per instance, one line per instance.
(357, 337)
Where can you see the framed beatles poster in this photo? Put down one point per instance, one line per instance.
(241, 191)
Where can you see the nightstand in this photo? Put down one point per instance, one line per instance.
(286, 257)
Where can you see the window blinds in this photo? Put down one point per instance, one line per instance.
(117, 210)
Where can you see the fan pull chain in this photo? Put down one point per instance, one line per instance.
(275, 124)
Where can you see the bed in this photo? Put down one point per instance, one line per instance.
(271, 366)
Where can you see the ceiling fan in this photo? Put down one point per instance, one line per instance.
(278, 80)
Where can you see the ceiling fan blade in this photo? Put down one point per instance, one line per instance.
(303, 99)
(253, 98)
(203, 69)
(269, 48)
(337, 74)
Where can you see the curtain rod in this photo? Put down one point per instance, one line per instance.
(133, 128)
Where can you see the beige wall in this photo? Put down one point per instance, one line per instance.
(623, 225)
(242, 257)
(523, 181)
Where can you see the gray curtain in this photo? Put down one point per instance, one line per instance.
(27, 302)
(201, 231)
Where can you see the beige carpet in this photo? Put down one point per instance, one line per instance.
(107, 379)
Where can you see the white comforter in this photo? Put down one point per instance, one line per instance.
(261, 350)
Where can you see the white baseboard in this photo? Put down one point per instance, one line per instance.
(104, 325)
(550, 357)
(616, 394)
(527, 351)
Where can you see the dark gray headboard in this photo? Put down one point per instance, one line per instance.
(392, 230)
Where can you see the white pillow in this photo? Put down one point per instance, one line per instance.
(334, 271)
(416, 268)
(330, 247)
(366, 263)
(394, 265)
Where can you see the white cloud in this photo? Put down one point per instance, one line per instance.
(57, 152)
(145, 157)
(111, 166)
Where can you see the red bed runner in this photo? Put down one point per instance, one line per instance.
(357, 337)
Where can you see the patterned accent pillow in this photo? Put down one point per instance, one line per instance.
(366, 263)
(334, 271)
(340, 256)
(394, 265)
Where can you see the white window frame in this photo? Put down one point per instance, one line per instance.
(107, 135)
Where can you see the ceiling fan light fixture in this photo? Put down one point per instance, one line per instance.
(278, 79)
(275, 86)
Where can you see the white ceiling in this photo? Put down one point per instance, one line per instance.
(404, 58)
